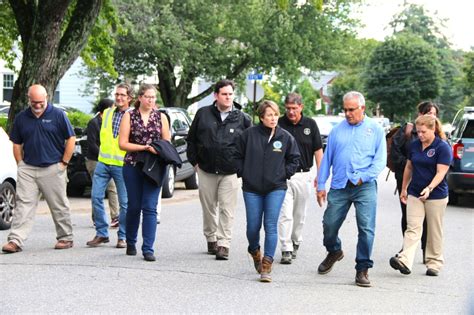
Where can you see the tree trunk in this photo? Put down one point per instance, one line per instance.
(49, 46)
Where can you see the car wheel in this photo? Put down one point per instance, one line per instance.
(7, 205)
(453, 198)
(75, 191)
(168, 183)
(192, 182)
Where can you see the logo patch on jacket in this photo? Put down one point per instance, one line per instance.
(277, 145)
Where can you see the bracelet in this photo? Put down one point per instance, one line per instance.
(64, 162)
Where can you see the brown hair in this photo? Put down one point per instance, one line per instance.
(293, 98)
(127, 87)
(425, 107)
(432, 123)
(263, 107)
(141, 91)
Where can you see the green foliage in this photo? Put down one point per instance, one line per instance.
(8, 34)
(79, 119)
(400, 73)
(309, 96)
(468, 78)
(415, 19)
(183, 40)
(3, 122)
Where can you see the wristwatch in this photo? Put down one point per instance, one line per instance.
(64, 163)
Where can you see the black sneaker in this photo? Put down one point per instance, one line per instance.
(329, 261)
(286, 258)
(149, 257)
(432, 272)
(295, 250)
(396, 264)
(222, 253)
(131, 250)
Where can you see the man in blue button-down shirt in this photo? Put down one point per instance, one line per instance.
(356, 152)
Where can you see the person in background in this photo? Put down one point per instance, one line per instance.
(399, 155)
(140, 127)
(110, 167)
(293, 212)
(43, 143)
(425, 192)
(93, 145)
(356, 151)
(211, 141)
(266, 157)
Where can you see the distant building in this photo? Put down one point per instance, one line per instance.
(68, 92)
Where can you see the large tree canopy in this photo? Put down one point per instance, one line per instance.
(401, 72)
(52, 35)
(184, 40)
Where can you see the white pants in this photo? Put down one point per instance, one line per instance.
(293, 211)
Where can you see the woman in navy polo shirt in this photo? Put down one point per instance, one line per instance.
(427, 195)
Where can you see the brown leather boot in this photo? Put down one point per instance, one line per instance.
(266, 269)
(257, 259)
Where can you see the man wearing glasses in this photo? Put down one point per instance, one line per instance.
(356, 152)
(43, 142)
(293, 211)
(109, 167)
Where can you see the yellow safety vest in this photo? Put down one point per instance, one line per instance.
(109, 152)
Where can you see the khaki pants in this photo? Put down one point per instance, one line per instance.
(51, 182)
(417, 210)
(111, 190)
(293, 211)
(218, 195)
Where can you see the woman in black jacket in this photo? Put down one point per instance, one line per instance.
(266, 156)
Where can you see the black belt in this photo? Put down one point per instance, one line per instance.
(303, 170)
(351, 185)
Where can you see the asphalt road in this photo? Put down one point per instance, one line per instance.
(184, 279)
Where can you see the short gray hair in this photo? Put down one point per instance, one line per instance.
(354, 94)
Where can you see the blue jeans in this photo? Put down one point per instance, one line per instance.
(102, 175)
(364, 198)
(142, 197)
(267, 206)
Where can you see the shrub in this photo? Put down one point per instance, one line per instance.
(79, 119)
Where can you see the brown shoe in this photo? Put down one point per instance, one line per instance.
(121, 244)
(63, 244)
(97, 241)
(266, 269)
(11, 247)
(257, 259)
(222, 253)
(114, 223)
(362, 278)
(212, 248)
(329, 261)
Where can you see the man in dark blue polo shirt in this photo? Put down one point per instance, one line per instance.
(43, 142)
(293, 212)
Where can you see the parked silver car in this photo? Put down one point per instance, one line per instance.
(8, 170)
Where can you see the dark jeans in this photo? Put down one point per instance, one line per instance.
(399, 178)
(142, 198)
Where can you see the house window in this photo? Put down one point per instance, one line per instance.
(8, 82)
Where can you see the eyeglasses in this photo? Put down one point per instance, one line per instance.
(149, 97)
(36, 102)
(120, 95)
(289, 110)
(350, 110)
